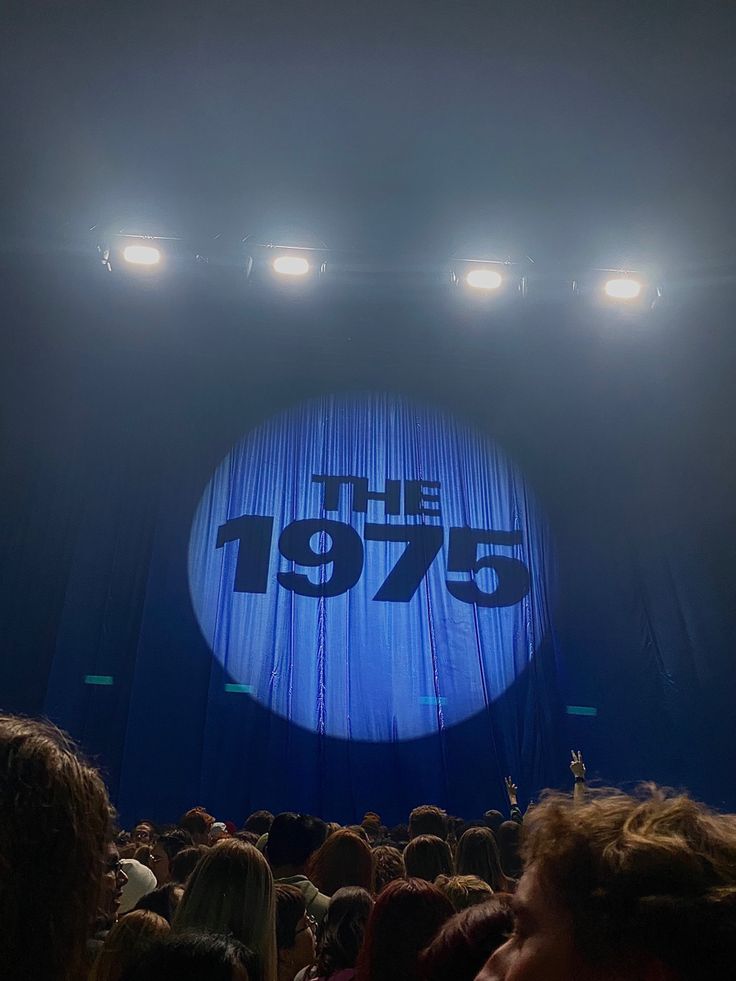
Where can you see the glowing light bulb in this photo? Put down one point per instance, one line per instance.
(622, 289)
(291, 265)
(484, 279)
(141, 255)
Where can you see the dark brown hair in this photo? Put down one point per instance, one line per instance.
(428, 820)
(477, 854)
(426, 857)
(343, 929)
(290, 908)
(54, 824)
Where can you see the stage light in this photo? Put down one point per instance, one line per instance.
(141, 255)
(627, 291)
(494, 280)
(290, 265)
(484, 279)
(622, 288)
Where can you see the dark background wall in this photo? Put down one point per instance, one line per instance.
(118, 402)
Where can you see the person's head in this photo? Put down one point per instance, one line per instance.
(144, 833)
(54, 825)
(248, 836)
(426, 857)
(343, 929)
(144, 855)
(493, 820)
(231, 891)
(192, 957)
(467, 940)
(128, 940)
(507, 838)
(464, 891)
(198, 823)
(167, 846)
(140, 881)
(292, 838)
(623, 886)
(258, 822)
(112, 881)
(372, 824)
(428, 820)
(399, 835)
(405, 918)
(477, 854)
(294, 931)
(163, 901)
(183, 863)
(389, 865)
(218, 831)
(344, 859)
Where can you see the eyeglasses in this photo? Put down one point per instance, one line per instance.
(309, 924)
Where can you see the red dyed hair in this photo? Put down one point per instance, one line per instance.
(345, 859)
(407, 916)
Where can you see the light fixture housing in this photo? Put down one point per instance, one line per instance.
(143, 255)
(285, 265)
(488, 278)
(618, 289)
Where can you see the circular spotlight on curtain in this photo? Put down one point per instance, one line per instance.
(290, 265)
(141, 255)
(484, 279)
(622, 288)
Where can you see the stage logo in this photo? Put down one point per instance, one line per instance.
(369, 568)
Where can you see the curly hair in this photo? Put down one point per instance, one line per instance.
(389, 865)
(649, 874)
(345, 859)
(54, 823)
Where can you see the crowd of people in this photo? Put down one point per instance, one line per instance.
(595, 885)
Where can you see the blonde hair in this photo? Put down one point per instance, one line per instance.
(231, 891)
(651, 874)
(464, 891)
(131, 936)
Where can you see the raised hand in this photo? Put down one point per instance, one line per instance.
(512, 791)
(577, 767)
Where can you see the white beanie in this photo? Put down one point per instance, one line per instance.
(140, 882)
